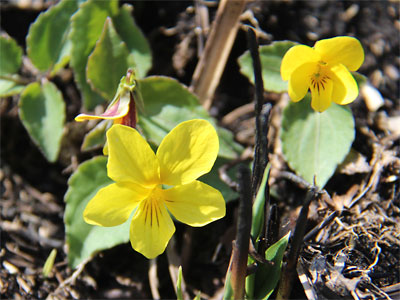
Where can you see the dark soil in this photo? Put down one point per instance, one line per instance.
(365, 237)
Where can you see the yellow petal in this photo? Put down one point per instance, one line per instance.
(151, 228)
(116, 110)
(130, 158)
(321, 95)
(113, 204)
(300, 81)
(195, 203)
(295, 57)
(341, 50)
(187, 152)
(345, 88)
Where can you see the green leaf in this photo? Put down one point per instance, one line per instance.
(271, 58)
(10, 62)
(168, 103)
(84, 240)
(360, 78)
(212, 178)
(9, 87)
(259, 206)
(10, 56)
(227, 146)
(96, 137)
(228, 290)
(48, 265)
(48, 35)
(42, 111)
(315, 143)
(109, 54)
(64, 57)
(86, 27)
(136, 42)
(179, 295)
(267, 277)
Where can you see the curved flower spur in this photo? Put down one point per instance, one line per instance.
(141, 180)
(324, 70)
(122, 109)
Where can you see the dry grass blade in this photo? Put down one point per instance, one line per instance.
(218, 46)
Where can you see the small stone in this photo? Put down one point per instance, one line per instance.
(376, 78)
(378, 47)
(10, 267)
(397, 25)
(23, 285)
(393, 124)
(312, 36)
(391, 72)
(311, 21)
(372, 97)
(350, 13)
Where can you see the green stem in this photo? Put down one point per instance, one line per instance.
(15, 78)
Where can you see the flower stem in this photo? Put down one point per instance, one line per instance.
(240, 247)
(285, 285)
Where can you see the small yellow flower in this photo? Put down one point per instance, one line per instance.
(324, 69)
(154, 185)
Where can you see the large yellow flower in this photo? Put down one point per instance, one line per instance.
(158, 184)
(324, 69)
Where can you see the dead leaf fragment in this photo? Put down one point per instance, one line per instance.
(354, 163)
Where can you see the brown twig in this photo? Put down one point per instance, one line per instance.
(288, 274)
(240, 247)
(153, 279)
(218, 46)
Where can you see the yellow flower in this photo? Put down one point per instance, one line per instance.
(324, 69)
(154, 185)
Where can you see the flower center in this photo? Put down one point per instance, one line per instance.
(151, 207)
(320, 77)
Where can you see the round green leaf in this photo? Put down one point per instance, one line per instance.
(315, 143)
(42, 111)
(83, 240)
(271, 58)
(48, 35)
(109, 54)
(10, 56)
(168, 103)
